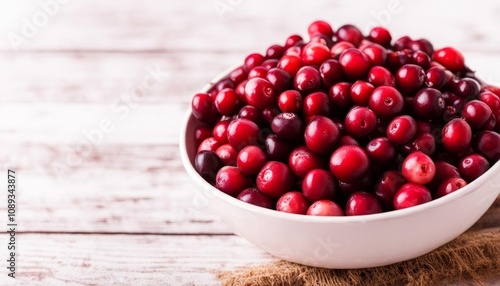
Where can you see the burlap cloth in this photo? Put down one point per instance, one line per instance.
(471, 259)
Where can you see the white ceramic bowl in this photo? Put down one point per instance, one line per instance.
(347, 242)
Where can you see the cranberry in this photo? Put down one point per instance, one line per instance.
(318, 184)
(201, 133)
(275, 52)
(428, 104)
(231, 180)
(330, 72)
(340, 47)
(275, 179)
(348, 140)
(325, 208)
(402, 43)
(473, 166)
(476, 113)
(410, 195)
(224, 83)
(418, 168)
(456, 135)
(259, 71)
(269, 113)
(380, 76)
(242, 132)
(251, 113)
(435, 77)
(290, 101)
(380, 36)
(293, 40)
(466, 88)
(376, 54)
(287, 126)
(250, 160)
(320, 27)
(238, 75)
(227, 102)
(390, 182)
(450, 58)
(269, 64)
(307, 79)
(290, 64)
(315, 54)
(209, 144)
(293, 202)
(340, 95)
(422, 45)
(401, 129)
(488, 144)
(220, 131)
(203, 108)
(240, 91)
(316, 103)
(360, 122)
(254, 197)
(410, 78)
(491, 99)
(279, 78)
(449, 186)
(386, 102)
(361, 92)
(207, 164)
(347, 189)
(321, 135)
(227, 154)
(354, 64)
(362, 203)
(381, 151)
(421, 59)
(302, 160)
(349, 163)
(349, 33)
(259, 93)
(395, 60)
(425, 143)
(277, 150)
(253, 60)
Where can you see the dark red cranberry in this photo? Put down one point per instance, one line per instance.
(424, 143)
(293, 40)
(325, 208)
(275, 52)
(330, 72)
(259, 93)
(280, 79)
(380, 36)
(270, 63)
(275, 179)
(491, 124)
(322, 39)
(318, 185)
(250, 160)
(410, 78)
(253, 60)
(207, 164)
(223, 84)
(456, 136)
(402, 43)
(386, 102)
(362, 203)
(376, 54)
(240, 91)
(466, 88)
(422, 45)
(444, 171)
(220, 131)
(491, 99)
(421, 59)
(203, 108)
(320, 27)
(410, 195)
(450, 58)
(321, 135)
(251, 113)
(287, 126)
(348, 140)
(242, 132)
(418, 168)
(360, 122)
(380, 76)
(209, 144)
(259, 71)
(307, 79)
(381, 151)
(277, 150)
(231, 180)
(201, 133)
(346, 189)
(316, 103)
(339, 48)
(315, 54)
(254, 197)
(238, 75)
(361, 92)
(290, 64)
(488, 144)
(449, 186)
(293, 202)
(390, 182)
(354, 64)
(349, 33)
(428, 104)
(302, 160)
(476, 113)
(435, 77)
(395, 60)
(340, 95)
(349, 163)
(269, 113)
(473, 166)
(227, 102)
(290, 101)
(401, 129)
(227, 154)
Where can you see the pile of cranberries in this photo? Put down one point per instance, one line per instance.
(347, 124)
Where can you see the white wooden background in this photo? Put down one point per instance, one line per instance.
(126, 212)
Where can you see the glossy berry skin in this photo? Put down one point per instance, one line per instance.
(380, 35)
(293, 202)
(251, 113)
(418, 168)
(476, 113)
(259, 93)
(238, 75)
(401, 129)
(349, 163)
(349, 33)
(473, 166)
(340, 95)
(287, 126)
(321, 135)
(362, 203)
(227, 154)
(242, 132)
(290, 101)
(290, 64)
(449, 186)
(254, 197)
(307, 79)
(456, 136)
(361, 92)
(466, 88)
(227, 102)
(425, 143)
(219, 131)
(231, 181)
(450, 58)
(402, 43)
(491, 99)
(354, 64)
(274, 52)
(330, 72)
(277, 150)
(316, 103)
(385, 189)
(325, 208)
(302, 160)
(421, 59)
(386, 102)
(339, 47)
(428, 104)
(209, 144)
(319, 184)
(315, 54)
(250, 160)
(380, 76)
(376, 54)
(488, 144)
(410, 78)
(410, 195)
(293, 40)
(203, 108)
(201, 133)
(253, 60)
(275, 179)
(279, 79)
(360, 122)
(381, 151)
(259, 71)
(320, 27)
(207, 164)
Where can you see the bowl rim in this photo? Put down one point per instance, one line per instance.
(318, 219)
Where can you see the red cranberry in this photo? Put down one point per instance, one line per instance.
(361, 203)
(381, 151)
(476, 113)
(424, 143)
(361, 92)
(280, 79)
(428, 104)
(251, 113)
(380, 76)
(349, 33)
(275, 179)
(421, 59)
(227, 102)
(290, 64)
(269, 113)
(238, 75)
(318, 184)
(354, 64)
(321, 135)
(287, 126)
(449, 186)
(386, 102)
(473, 166)
(302, 160)
(307, 79)
(450, 58)
(410, 78)
(325, 208)
(410, 195)
(422, 45)
(231, 180)
(402, 43)
(253, 60)
(259, 93)
(360, 122)
(320, 27)
(250, 160)
(456, 136)
(401, 129)
(275, 52)
(395, 60)
(242, 132)
(201, 133)
(259, 71)
(209, 144)
(491, 99)
(254, 197)
(293, 202)
(339, 48)
(488, 144)
(376, 54)
(277, 150)
(203, 108)
(315, 54)
(220, 131)
(290, 101)
(380, 36)
(269, 64)
(349, 163)
(466, 88)
(390, 182)
(435, 77)
(294, 51)
(207, 164)
(240, 91)
(418, 168)
(348, 140)
(340, 95)
(223, 84)
(330, 72)
(293, 40)
(444, 171)
(316, 103)
(227, 154)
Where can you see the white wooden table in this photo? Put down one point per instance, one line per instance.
(102, 196)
